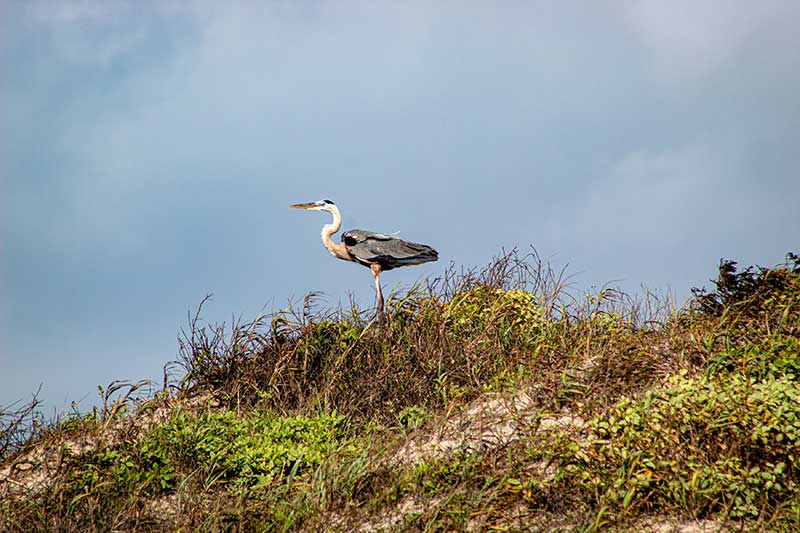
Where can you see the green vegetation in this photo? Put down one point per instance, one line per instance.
(489, 399)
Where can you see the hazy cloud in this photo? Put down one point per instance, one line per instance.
(688, 38)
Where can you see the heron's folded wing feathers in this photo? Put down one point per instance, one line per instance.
(388, 251)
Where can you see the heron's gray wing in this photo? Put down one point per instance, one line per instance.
(387, 251)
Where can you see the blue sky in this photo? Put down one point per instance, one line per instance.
(149, 151)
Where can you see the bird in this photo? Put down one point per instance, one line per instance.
(377, 251)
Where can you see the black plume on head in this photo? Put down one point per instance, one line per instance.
(327, 202)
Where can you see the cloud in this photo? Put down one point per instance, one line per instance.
(84, 33)
(686, 38)
(649, 207)
(668, 192)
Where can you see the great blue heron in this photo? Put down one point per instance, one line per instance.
(377, 251)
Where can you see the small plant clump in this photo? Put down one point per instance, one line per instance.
(491, 399)
(701, 444)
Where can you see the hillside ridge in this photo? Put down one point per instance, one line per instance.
(489, 399)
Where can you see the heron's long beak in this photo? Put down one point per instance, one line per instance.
(304, 206)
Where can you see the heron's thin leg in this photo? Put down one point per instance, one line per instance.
(376, 271)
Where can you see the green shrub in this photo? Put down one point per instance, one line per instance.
(128, 469)
(702, 444)
(250, 450)
(509, 315)
(748, 289)
(774, 355)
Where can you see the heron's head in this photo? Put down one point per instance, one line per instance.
(322, 205)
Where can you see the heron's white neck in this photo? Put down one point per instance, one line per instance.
(337, 250)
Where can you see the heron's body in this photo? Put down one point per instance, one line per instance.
(377, 251)
(387, 251)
